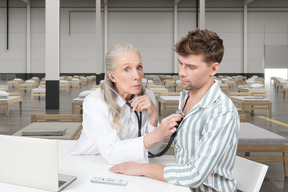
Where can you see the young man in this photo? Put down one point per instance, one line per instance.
(206, 141)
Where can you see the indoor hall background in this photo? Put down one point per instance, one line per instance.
(149, 26)
(274, 180)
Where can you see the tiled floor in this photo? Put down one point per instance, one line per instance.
(274, 180)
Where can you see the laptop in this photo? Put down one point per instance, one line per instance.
(31, 162)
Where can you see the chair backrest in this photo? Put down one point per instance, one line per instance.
(249, 174)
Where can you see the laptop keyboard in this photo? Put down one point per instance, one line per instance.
(60, 183)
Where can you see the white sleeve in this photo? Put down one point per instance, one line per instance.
(150, 128)
(99, 128)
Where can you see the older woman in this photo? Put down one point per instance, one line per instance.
(120, 118)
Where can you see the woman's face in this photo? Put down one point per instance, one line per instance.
(128, 74)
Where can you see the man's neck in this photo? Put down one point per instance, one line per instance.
(196, 95)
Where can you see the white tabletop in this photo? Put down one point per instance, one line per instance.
(170, 98)
(84, 167)
(250, 98)
(9, 98)
(79, 99)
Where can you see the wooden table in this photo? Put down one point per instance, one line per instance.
(77, 104)
(27, 86)
(254, 92)
(65, 86)
(261, 145)
(4, 88)
(158, 90)
(253, 103)
(14, 83)
(168, 102)
(224, 87)
(285, 89)
(72, 129)
(6, 102)
(40, 91)
(76, 82)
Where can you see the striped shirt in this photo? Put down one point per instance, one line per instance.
(205, 145)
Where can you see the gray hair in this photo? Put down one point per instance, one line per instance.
(108, 94)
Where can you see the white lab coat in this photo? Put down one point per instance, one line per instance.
(100, 136)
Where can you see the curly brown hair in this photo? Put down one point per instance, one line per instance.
(204, 42)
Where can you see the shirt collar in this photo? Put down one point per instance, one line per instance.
(208, 99)
(211, 96)
(121, 101)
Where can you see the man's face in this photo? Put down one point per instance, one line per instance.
(194, 73)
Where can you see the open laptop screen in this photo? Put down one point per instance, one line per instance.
(31, 162)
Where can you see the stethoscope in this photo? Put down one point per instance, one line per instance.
(138, 116)
(139, 119)
(178, 111)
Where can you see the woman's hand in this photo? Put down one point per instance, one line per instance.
(144, 103)
(165, 130)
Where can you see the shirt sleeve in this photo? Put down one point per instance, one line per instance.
(98, 126)
(218, 136)
(150, 128)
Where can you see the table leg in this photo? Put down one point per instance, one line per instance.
(159, 107)
(20, 106)
(270, 109)
(7, 110)
(286, 160)
(243, 108)
(252, 109)
(73, 108)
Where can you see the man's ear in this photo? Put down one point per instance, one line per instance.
(214, 68)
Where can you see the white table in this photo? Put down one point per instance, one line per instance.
(84, 167)
(11, 99)
(255, 103)
(167, 102)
